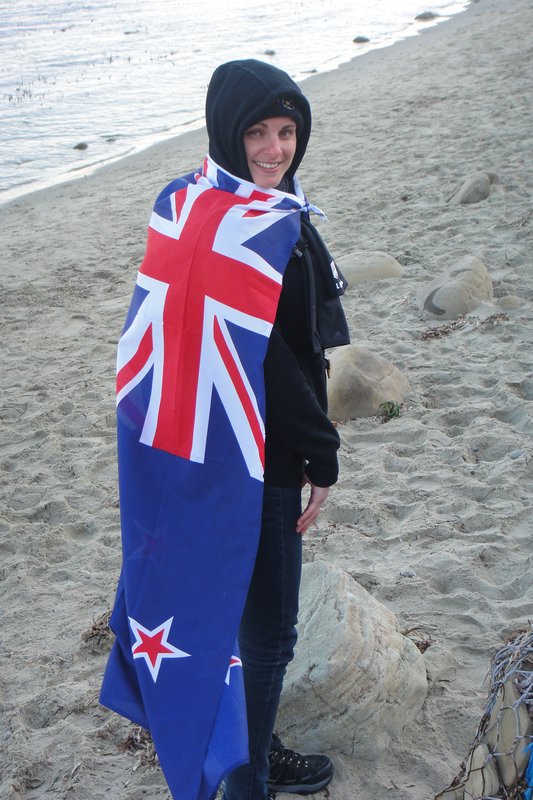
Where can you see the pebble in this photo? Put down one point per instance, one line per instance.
(426, 16)
(516, 454)
(407, 573)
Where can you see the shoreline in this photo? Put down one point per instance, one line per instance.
(78, 173)
(432, 514)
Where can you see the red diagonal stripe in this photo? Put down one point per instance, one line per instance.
(231, 366)
(137, 362)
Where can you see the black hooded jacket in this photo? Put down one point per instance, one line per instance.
(299, 435)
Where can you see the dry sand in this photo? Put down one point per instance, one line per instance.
(442, 494)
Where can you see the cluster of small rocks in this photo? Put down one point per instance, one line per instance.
(361, 381)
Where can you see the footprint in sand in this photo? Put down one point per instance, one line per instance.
(75, 324)
(81, 532)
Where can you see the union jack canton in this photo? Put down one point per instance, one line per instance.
(190, 416)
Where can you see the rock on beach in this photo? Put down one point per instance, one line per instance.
(482, 778)
(357, 680)
(474, 189)
(426, 16)
(367, 265)
(361, 381)
(510, 726)
(457, 291)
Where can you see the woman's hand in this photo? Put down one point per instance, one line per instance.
(312, 510)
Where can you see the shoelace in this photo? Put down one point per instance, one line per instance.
(289, 757)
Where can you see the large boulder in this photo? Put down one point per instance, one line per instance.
(458, 291)
(474, 189)
(369, 265)
(360, 382)
(356, 681)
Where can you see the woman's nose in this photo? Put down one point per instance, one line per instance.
(273, 144)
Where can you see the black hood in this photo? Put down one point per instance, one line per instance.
(239, 95)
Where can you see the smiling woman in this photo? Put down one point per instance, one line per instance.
(253, 294)
(270, 146)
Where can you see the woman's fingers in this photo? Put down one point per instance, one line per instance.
(312, 510)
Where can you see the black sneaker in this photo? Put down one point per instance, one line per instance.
(292, 772)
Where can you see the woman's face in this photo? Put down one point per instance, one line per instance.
(270, 146)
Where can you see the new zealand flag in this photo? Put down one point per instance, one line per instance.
(190, 396)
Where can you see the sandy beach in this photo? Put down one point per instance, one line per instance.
(433, 512)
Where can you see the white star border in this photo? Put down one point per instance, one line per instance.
(175, 651)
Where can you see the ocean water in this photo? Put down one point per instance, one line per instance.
(117, 75)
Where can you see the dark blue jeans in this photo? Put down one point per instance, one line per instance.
(267, 634)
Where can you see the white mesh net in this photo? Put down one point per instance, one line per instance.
(498, 764)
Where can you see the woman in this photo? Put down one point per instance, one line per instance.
(239, 294)
(259, 124)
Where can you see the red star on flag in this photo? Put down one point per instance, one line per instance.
(233, 662)
(153, 645)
